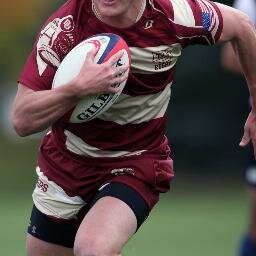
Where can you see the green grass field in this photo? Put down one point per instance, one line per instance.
(192, 224)
(202, 221)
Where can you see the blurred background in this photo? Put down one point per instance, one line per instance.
(205, 213)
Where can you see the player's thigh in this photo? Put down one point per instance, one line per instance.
(37, 247)
(106, 228)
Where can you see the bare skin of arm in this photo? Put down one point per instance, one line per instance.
(240, 31)
(34, 111)
(229, 59)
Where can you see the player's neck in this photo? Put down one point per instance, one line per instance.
(122, 20)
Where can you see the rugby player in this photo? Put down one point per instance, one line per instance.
(99, 180)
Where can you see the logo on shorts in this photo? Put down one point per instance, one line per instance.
(122, 171)
(33, 229)
(42, 186)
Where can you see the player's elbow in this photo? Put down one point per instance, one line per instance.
(20, 126)
(20, 129)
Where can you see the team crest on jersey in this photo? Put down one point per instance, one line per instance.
(54, 42)
(165, 58)
(155, 59)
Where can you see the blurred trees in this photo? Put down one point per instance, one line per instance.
(20, 21)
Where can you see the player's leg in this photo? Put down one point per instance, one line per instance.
(54, 220)
(105, 229)
(48, 237)
(111, 222)
(37, 247)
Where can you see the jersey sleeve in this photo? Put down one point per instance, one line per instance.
(54, 41)
(197, 21)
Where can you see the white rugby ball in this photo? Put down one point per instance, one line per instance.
(92, 105)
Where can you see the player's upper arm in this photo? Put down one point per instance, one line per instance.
(235, 23)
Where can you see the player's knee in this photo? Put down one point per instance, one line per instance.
(94, 247)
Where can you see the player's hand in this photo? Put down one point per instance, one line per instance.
(249, 132)
(100, 78)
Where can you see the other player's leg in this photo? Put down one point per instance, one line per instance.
(248, 243)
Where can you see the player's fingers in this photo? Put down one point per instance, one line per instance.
(245, 139)
(120, 71)
(114, 89)
(119, 79)
(113, 59)
(90, 56)
(114, 86)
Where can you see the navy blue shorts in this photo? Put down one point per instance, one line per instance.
(250, 172)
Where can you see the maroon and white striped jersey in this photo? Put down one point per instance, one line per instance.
(136, 122)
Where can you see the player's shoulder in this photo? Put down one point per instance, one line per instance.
(188, 12)
(182, 12)
(168, 7)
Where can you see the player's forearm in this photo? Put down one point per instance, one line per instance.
(36, 111)
(229, 59)
(245, 47)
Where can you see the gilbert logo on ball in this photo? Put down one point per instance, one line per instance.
(92, 105)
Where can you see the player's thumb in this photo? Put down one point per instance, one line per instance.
(91, 55)
(245, 139)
